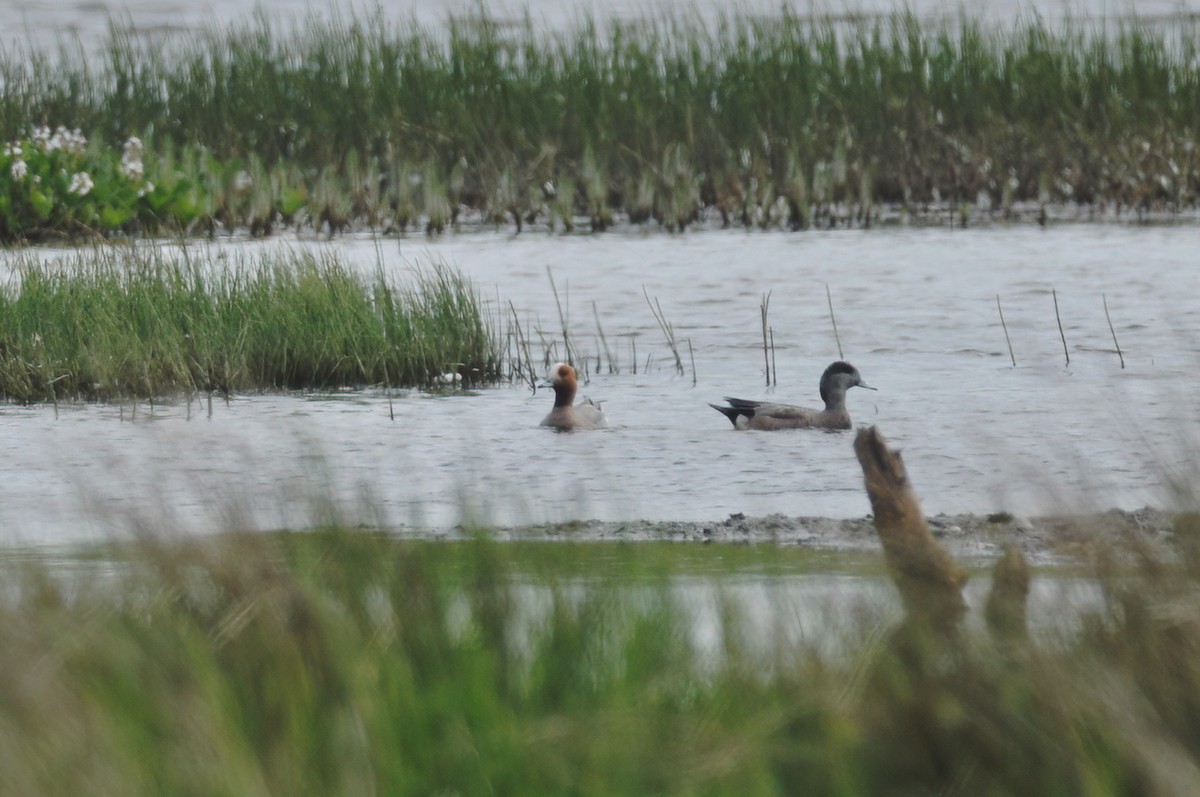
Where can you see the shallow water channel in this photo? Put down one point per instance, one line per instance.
(915, 310)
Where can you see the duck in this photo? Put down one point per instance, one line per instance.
(769, 416)
(566, 416)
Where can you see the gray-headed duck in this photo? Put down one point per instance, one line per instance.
(768, 416)
(567, 416)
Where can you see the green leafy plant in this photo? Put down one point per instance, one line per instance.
(56, 184)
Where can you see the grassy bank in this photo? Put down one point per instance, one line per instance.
(126, 322)
(776, 122)
(339, 662)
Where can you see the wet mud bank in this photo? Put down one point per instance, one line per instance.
(1046, 539)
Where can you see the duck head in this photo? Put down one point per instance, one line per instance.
(837, 379)
(565, 383)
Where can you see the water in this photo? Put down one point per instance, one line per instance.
(916, 312)
(835, 614)
(43, 24)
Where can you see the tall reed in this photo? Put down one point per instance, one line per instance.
(781, 120)
(120, 322)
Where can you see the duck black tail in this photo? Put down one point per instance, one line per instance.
(738, 407)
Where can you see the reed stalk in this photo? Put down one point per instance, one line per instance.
(1004, 326)
(612, 365)
(408, 128)
(131, 323)
(1113, 331)
(1061, 334)
(667, 329)
(763, 308)
(692, 356)
(774, 368)
(562, 318)
(833, 321)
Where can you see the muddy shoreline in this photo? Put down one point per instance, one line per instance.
(1043, 540)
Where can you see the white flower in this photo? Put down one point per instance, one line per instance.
(131, 159)
(133, 169)
(81, 184)
(72, 142)
(19, 169)
(147, 188)
(12, 149)
(242, 182)
(69, 141)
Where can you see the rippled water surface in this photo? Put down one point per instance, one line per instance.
(915, 310)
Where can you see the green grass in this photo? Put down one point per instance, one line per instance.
(343, 662)
(777, 121)
(133, 322)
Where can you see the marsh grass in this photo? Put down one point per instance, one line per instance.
(782, 121)
(133, 322)
(344, 662)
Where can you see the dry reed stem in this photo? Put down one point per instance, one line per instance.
(612, 368)
(774, 367)
(692, 355)
(1058, 318)
(523, 348)
(667, 329)
(1007, 340)
(833, 320)
(568, 350)
(763, 308)
(1107, 318)
(929, 581)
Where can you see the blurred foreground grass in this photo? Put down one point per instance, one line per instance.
(344, 662)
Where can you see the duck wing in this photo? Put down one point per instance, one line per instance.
(786, 412)
(589, 415)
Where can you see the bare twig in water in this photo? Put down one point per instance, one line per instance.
(668, 330)
(1011, 356)
(763, 309)
(692, 355)
(523, 348)
(612, 366)
(1058, 317)
(774, 368)
(1113, 331)
(387, 388)
(833, 320)
(549, 349)
(562, 318)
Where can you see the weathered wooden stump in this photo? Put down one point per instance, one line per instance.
(929, 581)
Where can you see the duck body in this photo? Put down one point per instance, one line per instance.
(566, 416)
(770, 416)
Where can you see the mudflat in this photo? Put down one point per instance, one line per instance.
(1044, 539)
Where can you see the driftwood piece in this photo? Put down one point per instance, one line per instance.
(929, 581)
(1006, 602)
